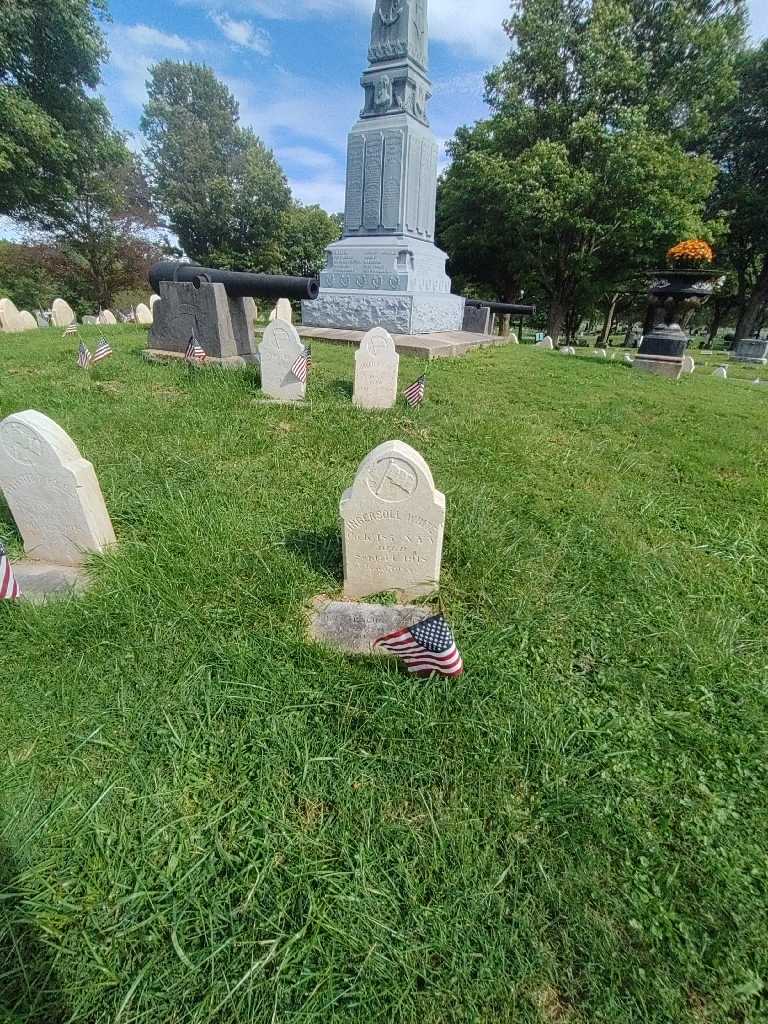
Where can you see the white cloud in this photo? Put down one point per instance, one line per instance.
(308, 157)
(476, 32)
(325, 192)
(243, 34)
(144, 37)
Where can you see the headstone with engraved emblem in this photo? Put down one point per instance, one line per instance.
(393, 520)
(279, 349)
(376, 366)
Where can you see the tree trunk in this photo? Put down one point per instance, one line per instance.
(754, 306)
(714, 327)
(602, 341)
(555, 319)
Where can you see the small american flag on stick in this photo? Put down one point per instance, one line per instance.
(9, 588)
(195, 352)
(309, 358)
(70, 329)
(425, 648)
(102, 350)
(84, 357)
(414, 394)
(300, 367)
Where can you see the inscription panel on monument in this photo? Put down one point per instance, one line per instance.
(393, 176)
(374, 146)
(353, 214)
(393, 524)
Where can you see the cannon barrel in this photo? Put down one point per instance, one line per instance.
(502, 307)
(238, 285)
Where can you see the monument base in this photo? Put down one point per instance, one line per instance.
(662, 352)
(751, 350)
(397, 312)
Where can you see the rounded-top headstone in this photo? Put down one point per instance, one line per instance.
(513, 339)
(721, 372)
(628, 359)
(26, 321)
(153, 298)
(688, 364)
(9, 316)
(106, 318)
(376, 367)
(283, 310)
(51, 491)
(280, 347)
(89, 320)
(601, 353)
(62, 314)
(143, 314)
(393, 521)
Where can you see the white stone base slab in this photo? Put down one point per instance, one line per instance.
(40, 581)
(352, 627)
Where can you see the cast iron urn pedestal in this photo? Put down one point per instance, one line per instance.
(672, 293)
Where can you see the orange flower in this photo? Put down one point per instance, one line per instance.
(692, 251)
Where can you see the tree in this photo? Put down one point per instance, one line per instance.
(307, 231)
(742, 187)
(100, 230)
(587, 168)
(220, 188)
(50, 57)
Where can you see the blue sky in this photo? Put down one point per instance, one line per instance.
(294, 66)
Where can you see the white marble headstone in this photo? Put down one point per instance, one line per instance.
(280, 345)
(143, 314)
(62, 314)
(283, 310)
(547, 343)
(376, 366)
(51, 491)
(26, 321)
(393, 520)
(106, 317)
(688, 364)
(153, 298)
(513, 339)
(721, 372)
(9, 316)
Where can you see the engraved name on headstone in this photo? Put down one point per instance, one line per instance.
(376, 365)
(393, 520)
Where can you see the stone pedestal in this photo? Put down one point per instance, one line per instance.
(222, 326)
(477, 319)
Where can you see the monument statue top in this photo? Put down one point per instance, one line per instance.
(399, 30)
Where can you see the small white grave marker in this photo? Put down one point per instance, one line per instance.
(279, 348)
(376, 366)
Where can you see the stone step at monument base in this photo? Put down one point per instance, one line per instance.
(161, 355)
(441, 345)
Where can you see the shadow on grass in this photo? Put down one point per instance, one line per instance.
(321, 550)
(30, 990)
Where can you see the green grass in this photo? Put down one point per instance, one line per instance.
(206, 817)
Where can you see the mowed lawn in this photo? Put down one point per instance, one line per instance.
(207, 817)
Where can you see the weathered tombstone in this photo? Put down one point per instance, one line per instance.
(721, 372)
(9, 316)
(90, 321)
(41, 318)
(272, 314)
(513, 339)
(547, 338)
(751, 350)
(688, 364)
(545, 343)
(628, 359)
(26, 321)
(62, 314)
(600, 352)
(143, 314)
(393, 520)
(153, 298)
(477, 319)
(283, 310)
(51, 491)
(376, 365)
(250, 309)
(279, 349)
(106, 317)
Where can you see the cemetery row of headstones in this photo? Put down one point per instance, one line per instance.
(62, 315)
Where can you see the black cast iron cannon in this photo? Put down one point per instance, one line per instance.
(238, 285)
(481, 315)
(504, 308)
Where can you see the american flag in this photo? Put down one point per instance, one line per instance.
(414, 394)
(102, 350)
(300, 367)
(195, 352)
(70, 329)
(309, 358)
(84, 357)
(9, 588)
(425, 648)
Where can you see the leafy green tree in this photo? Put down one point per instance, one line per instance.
(50, 57)
(219, 187)
(741, 195)
(587, 168)
(307, 231)
(101, 229)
